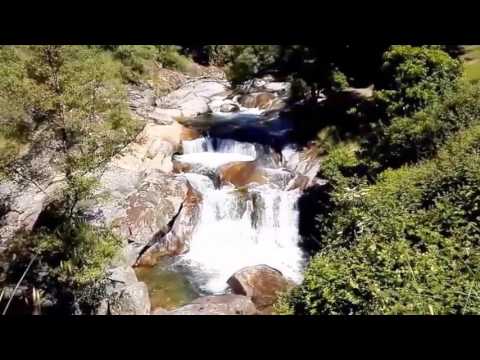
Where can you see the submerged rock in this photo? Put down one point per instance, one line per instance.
(261, 283)
(215, 305)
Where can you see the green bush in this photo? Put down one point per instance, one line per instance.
(339, 80)
(170, 57)
(415, 77)
(135, 60)
(409, 139)
(242, 61)
(409, 244)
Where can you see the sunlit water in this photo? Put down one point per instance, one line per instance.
(236, 227)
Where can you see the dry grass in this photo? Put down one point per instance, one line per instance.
(471, 60)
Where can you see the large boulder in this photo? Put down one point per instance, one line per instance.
(24, 196)
(261, 283)
(305, 163)
(193, 97)
(149, 210)
(125, 295)
(241, 173)
(215, 305)
(140, 212)
(177, 240)
(257, 100)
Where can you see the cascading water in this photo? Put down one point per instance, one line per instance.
(256, 223)
(238, 227)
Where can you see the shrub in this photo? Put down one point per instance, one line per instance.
(339, 80)
(169, 56)
(409, 244)
(409, 139)
(242, 61)
(414, 77)
(135, 60)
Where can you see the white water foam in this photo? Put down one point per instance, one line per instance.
(236, 228)
(235, 232)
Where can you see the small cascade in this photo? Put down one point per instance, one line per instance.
(256, 223)
(240, 227)
(238, 230)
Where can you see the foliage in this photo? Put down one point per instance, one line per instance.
(136, 60)
(407, 244)
(78, 253)
(339, 80)
(170, 57)
(409, 139)
(72, 260)
(74, 98)
(414, 77)
(242, 61)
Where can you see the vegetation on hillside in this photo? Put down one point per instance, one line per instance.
(395, 231)
(398, 232)
(68, 99)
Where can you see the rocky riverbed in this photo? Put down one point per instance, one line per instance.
(204, 200)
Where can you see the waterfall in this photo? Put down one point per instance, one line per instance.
(239, 228)
(234, 232)
(213, 152)
(217, 145)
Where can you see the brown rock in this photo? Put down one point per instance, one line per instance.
(261, 283)
(248, 101)
(179, 167)
(264, 100)
(149, 210)
(189, 134)
(260, 100)
(177, 240)
(241, 173)
(215, 305)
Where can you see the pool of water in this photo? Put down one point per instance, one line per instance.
(168, 288)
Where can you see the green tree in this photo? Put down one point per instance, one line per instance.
(74, 93)
(408, 244)
(415, 77)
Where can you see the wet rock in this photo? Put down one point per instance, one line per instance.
(261, 283)
(189, 134)
(241, 174)
(282, 88)
(257, 100)
(300, 182)
(278, 177)
(215, 305)
(305, 163)
(179, 167)
(229, 107)
(177, 240)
